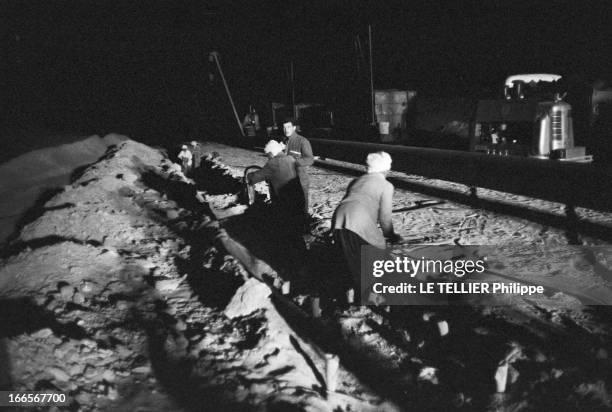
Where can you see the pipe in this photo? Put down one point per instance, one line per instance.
(215, 56)
(371, 75)
(574, 184)
(293, 92)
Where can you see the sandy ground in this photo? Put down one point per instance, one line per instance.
(122, 293)
(36, 175)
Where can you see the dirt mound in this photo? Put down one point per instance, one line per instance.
(32, 178)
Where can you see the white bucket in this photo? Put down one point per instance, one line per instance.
(383, 127)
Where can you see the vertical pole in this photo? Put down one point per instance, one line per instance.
(215, 56)
(293, 93)
(371, 75)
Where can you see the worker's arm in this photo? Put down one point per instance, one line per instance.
(306, 159)
(260, 175)
(384, 214)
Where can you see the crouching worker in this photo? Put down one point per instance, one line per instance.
(280, 173)
(366, 205)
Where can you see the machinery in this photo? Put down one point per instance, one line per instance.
(531, 120)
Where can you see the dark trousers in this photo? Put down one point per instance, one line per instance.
(349, 244)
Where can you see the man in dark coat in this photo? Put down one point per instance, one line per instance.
(299, 148)
(287, 198)
(281, 174)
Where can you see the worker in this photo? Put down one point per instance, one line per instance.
(186, 158)
(251, 123)
(196, 151)
(286, 195)
(281, 174)
(367, 204)
(299, 148)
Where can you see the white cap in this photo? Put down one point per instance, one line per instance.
(194, 143)
(378, 162)
(273, 147)
(184, 147)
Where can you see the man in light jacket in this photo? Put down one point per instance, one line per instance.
(367, 204)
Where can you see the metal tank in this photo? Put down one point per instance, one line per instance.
(555, 129)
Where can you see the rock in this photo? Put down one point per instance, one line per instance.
(90, 373)
(172, 214)
(62, 349)
(249, 297)
(108, 375)
(53, 340)
(123, 351)
(89, 343)
(59, 374)
(129, 177)
(142, 369)
(76, 369)
(168, 285)
(42, 334)
(84, 398)
(66, 292)
(78, 298)
(428, 374)
(122, 305)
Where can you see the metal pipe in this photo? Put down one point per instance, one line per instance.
(371, 75)
(576, 184)
(215, 56)
(293, 92)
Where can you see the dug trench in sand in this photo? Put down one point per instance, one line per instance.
(122, 300)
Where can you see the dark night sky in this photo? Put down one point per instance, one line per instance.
(121, 64)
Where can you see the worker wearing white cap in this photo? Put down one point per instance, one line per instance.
(186, 158)
(366, 205)
(288, 201)
(281, 173)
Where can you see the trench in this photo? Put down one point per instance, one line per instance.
(415, 342)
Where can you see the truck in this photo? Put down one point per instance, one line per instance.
(534, 118)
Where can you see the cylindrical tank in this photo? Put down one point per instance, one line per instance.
(562, 135)
(554, 128)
